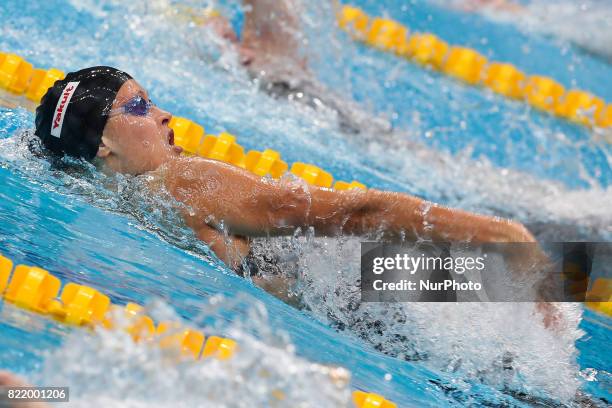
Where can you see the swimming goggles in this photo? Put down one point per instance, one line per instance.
(137, 106)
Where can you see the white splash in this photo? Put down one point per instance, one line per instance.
(107, 368)
(504, 345)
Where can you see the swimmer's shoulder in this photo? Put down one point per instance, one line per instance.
(176, 173)
(186, 173)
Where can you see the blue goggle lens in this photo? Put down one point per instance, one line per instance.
(137, 106)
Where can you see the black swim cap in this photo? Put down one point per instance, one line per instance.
(72, 114)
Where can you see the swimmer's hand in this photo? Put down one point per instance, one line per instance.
(528, 261)
(551, 315)
(532, 261)
(280, 287)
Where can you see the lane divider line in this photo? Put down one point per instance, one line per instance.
(469, 66)
(36, 290)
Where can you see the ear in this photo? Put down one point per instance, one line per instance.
(103, 151)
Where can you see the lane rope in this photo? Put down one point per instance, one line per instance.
(36, 290)
(471, 67)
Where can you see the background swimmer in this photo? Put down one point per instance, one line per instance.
(269, 48)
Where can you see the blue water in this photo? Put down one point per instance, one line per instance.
(506, 132)
(89, 235)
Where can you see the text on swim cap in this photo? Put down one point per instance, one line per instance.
(60, 109)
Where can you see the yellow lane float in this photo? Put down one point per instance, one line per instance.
(312, 174)
(427, 49)
(42, 79)
(386, 34)
(543, 93)
(189, 341)
(223, 148)
(187, 134)
(464, 63)
(599, 298)
(32, 288)
(36, 289)
(219, 347)
(471, 67)
(504, 79)
(354, 21)
(363, 399)
(140, 326)
(343, 185)
(6, 266)
(603, 118)
(15, 73)
(80, 305)
(580, 106)
(266, 162)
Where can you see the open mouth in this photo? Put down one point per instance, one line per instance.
(171, 137)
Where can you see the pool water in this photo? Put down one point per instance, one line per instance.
(453, 144)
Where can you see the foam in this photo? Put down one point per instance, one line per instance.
(468, 339)
(106, 368)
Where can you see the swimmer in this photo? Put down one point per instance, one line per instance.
(269, 48)
(104, 116)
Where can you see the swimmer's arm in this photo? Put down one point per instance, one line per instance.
(231, 250)
(225, 196)
(397, 215)
(271, 27)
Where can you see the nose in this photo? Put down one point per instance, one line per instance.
(163, 117)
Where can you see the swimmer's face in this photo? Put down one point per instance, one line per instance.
(136, 138)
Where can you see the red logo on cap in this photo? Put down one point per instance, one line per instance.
(60, 109)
